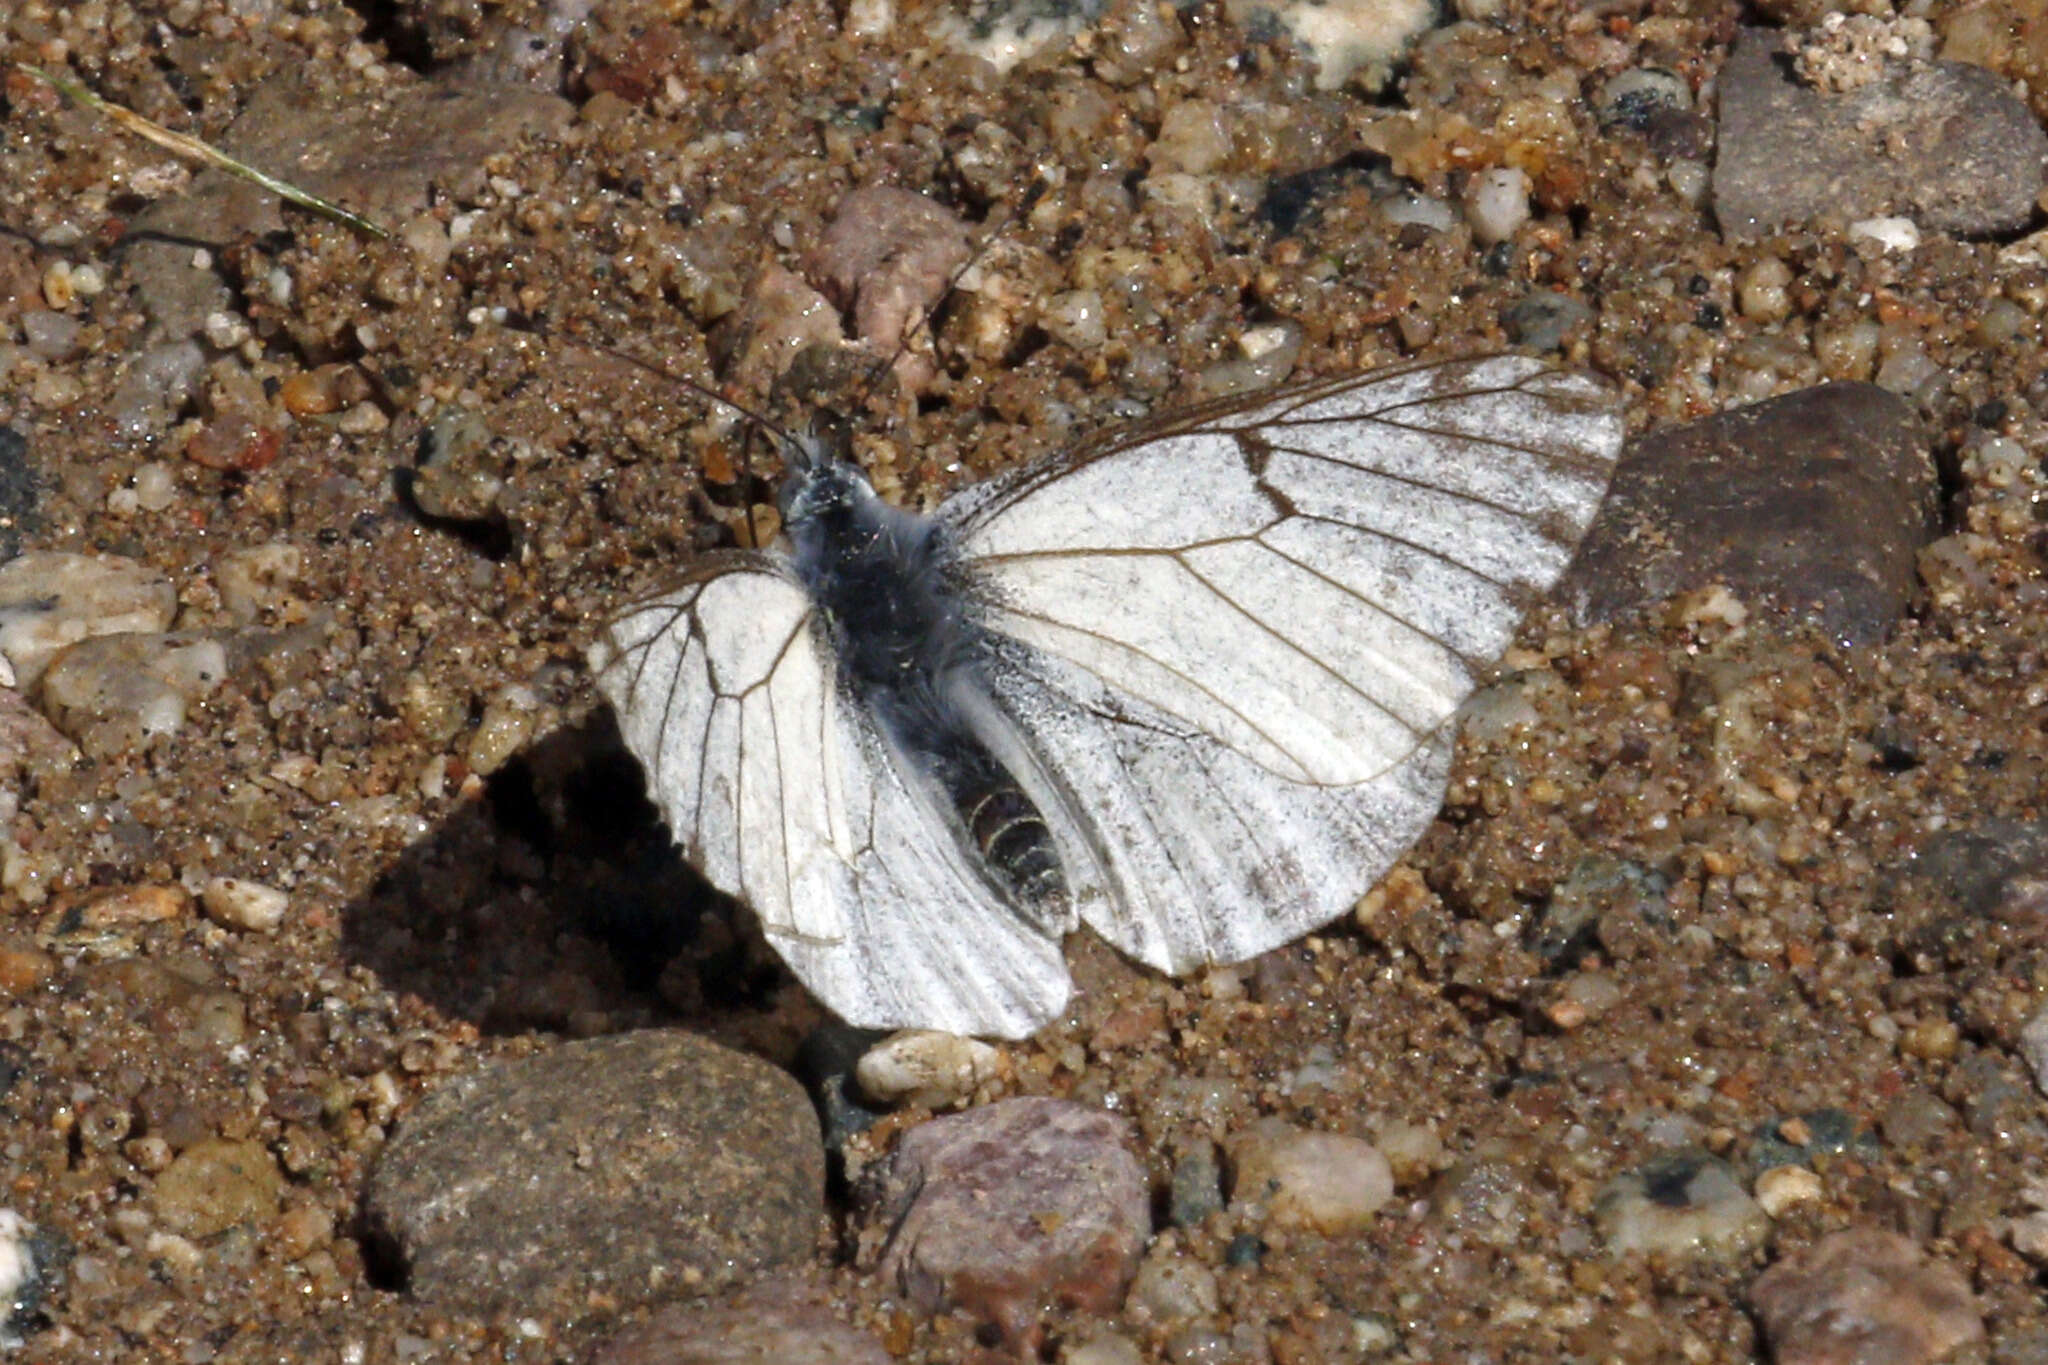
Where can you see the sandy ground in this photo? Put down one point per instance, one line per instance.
(407, 745)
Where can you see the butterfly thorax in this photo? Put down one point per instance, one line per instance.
(887, 584)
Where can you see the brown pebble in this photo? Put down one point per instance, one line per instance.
(136, 905)
(23, 967)
(232, 441)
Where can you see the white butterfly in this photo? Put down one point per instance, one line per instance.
(1189, 685)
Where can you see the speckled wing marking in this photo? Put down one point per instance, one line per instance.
(795, 802)
(1239, 632)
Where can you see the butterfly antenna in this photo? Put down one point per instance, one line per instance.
(924, 325)
(793, 447)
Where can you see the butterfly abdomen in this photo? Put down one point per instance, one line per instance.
(907, 645)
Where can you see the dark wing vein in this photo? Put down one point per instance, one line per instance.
(1132, 650)
(1267, 630)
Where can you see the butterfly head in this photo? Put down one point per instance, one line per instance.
(819, 484)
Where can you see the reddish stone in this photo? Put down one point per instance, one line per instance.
(1006, 1209)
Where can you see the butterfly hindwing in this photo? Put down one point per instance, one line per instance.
(785, 795)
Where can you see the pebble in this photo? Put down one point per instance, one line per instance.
(1797, 1140)
(1544, 320)
(1419, 210)
(1353, 42)
(1994, 870)
(242, 904)
(1192, 138)
(1074, 318)
(780, 1320)
(217, 1184)
(1638, 97)
(2033, 1045)
(1483, 1198)
(131, 905)
(1680, 1204)
(1171, 1286)
(1497, 203)
(1887, 234)
(1781, 1188)
(509, 721)
(928, 1069)
(887, 258)
(256, 582)
(639, 1167)
(20, 490)
(1864, 1297)
(1945, 144)
(23, 967)
(1325, 1181)
(1917, 1120)
(114, 694)
(781, 318)
(1196, 1189)
(155, 384)
(1104, 1347)
(52, 336)
(1814, 505)
(1004, 33)
(51, 599)
(1005, 1208)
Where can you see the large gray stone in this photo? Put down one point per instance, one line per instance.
(1943, 143)
(639, 1167)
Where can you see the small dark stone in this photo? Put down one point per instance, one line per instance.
(1244, 1250)
(1293, 201)
(824, 1063)
(1825, 1132)
(1197, 1189)
(1994, 870)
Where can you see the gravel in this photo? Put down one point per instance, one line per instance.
(1725, 859)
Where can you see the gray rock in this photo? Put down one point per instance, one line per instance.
(1197, 1189)
(1813, 505)
(1005, 1208)
(1943, 143)
(639, 1167)
(1864, 1297)
(780, 1321)
(1543, 320)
